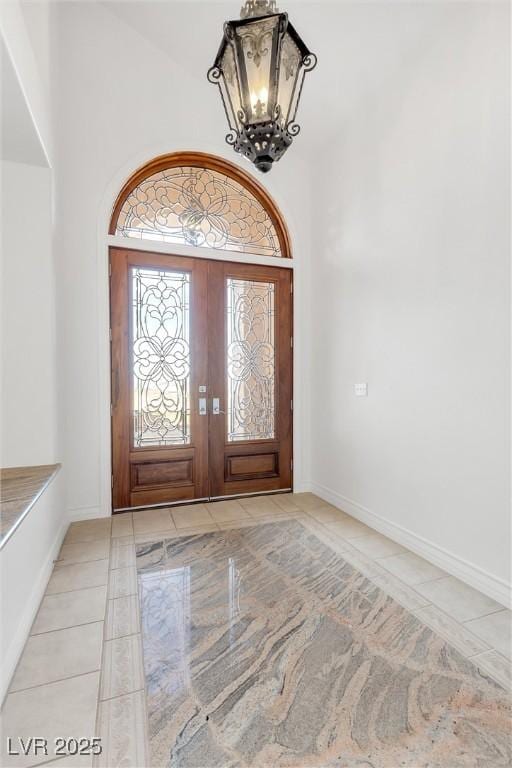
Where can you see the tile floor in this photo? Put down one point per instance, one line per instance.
(81, 671)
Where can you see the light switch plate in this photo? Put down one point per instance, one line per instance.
(361, 389)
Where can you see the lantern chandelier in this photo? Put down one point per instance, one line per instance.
(260, 69)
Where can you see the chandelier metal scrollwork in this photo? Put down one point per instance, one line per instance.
(260, 69)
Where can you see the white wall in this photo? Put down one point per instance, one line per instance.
(28, 353)
(121, 101)
(411, 292)
(28, 401)
(29, 407)
(26, 564)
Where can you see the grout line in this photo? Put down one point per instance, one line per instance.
(61, 629)
(491, 650)
(484, 615)
(412, 586)
(76, 589)
(51, 682)
(120, 695)
(70, 565)
(130, 634)
(97, 718)
(88, 541)
(427, 581)
(61, 563)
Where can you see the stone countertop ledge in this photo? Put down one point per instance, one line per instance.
(20, 488)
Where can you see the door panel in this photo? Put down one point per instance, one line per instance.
(201, 378)
(159, 361)
(250, 375)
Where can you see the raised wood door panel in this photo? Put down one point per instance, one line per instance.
(159, 362)
(250, 373)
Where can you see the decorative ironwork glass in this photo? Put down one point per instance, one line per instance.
(201, 207)
(161, 357)
(250, 360)
(260, 68)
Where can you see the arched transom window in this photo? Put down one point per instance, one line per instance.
(199, 200)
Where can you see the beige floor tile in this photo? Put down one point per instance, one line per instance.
(350, 528)
(286, 502)
(495, 630)
(57, 655)
(122, 617)
(191, 516)
(88, 530)
(147, 520)
(83, 552)
(152, 536)
(369, 568)
(60, 709)
(122, 582)
(273, 518)
(457, 599)
(122, 524)
(80, 576)
(122, 667)
(248, 502)
(197, 531)
(496, 666)
(122, 729)
(406, 596)
(328, 537)
(121, 541)
(377, 546)
(122, 557)
(307, 501)
(69, 609)
(412, 569)
(226, 511)
(328, 514)
(246, 523)
(454, 633)
(261, 506)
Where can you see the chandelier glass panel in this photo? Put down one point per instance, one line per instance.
(260, 69)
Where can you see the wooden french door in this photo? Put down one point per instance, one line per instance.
(201, 378)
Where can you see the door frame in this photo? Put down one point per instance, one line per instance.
(145, 247)
(101, 506)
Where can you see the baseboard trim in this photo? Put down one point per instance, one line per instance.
(492, 586)
(86, 513)
(29, 611)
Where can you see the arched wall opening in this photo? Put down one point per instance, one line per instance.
(202, 233)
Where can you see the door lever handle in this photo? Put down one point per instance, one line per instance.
(216, 406)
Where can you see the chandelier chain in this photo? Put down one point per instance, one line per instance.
(254, 8)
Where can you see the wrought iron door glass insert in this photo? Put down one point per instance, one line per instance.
(161, 357)
(199, 207)
(250, 312)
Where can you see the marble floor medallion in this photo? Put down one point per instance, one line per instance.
(262, 647)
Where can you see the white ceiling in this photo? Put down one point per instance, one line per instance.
(360, 47)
